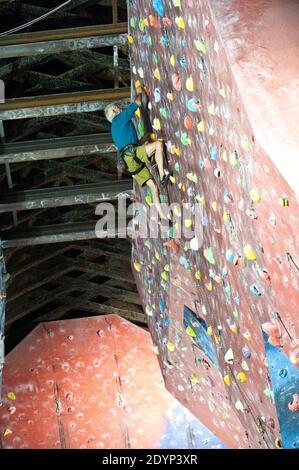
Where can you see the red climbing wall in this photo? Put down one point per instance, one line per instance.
(92, 383)
(222, 78)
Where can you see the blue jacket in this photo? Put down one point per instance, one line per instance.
(122, 128)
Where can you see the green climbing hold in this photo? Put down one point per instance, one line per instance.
(190, 332)
(132, 22)
(141, 25)
(141, 128)
(208, 254)
(149, 41)
(234, 159)
(255, 195)
(245, 366)
(200, 46)
(164, 112)
(155, 58)
(185, 139)
(171, 232)
(236, 313)
(246, 144)
(177, 166)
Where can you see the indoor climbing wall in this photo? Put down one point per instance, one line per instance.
(92, 383)
(223, 95)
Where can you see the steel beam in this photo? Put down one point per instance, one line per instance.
(60, 40)
(65, 196)
(49, 234)
(47, 149)
(65, 103)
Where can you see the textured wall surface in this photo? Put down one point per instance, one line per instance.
(92, 383)
(222, 78)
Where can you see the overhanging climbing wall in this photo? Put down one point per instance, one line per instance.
(92, 383)
(222, 78)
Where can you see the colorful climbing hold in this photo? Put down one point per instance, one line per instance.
(249, 253)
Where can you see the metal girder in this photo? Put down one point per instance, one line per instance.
(24, 63)
(47, 83)
(59, 40)
(65, 103)
(65, 196)
(90, 59)
(49, 234)
(64, 147)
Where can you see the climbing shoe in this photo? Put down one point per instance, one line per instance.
(165, 180)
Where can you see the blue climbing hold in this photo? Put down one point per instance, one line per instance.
(214, 153)
(159, 7)
(283, 373)
(205, 221)
(193, 105)
(255, 291)
(230, 256)
(161, 305)
(246, 352)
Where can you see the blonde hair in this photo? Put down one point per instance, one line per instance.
(109, 112)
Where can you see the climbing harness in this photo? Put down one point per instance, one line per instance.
(130, 151)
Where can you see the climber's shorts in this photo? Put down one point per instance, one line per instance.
(144, 175)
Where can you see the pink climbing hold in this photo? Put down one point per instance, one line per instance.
(294, 403)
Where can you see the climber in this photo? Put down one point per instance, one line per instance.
(134, 156)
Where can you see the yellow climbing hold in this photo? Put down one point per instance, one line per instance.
(183, 188)
(188, 223)
(172, 179)
(164, 276)
(209, 286)
(255, 195)
(214, 206)
(200, 46)
(177, 211)
(217, 339)
(170, 96)
(137, 113)
(227, 380)
(249, 253)
(11, 396)
(157, 74)
(210, 330)
(226, 216)
(194, 379)
(172, 60)
(197, 275)
(130, 39)
(157, 256)
(190, 84)
(202, 200)
(170, 346)
(201, 126)
(190, 332)
(137, 267)
(242, 377)
(157, 124)
(235, 329)
(137, 84)
(211, 109)
(222, 92)
(180, 22)
(7, 432)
